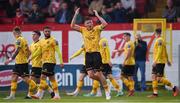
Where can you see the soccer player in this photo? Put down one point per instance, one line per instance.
(160, 58)
(128, 63)
(36, 56)
(21, 63)
(83, 74)
(91, 37)
(106, 66)
(49, 46)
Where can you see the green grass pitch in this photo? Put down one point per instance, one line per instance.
(140, 97)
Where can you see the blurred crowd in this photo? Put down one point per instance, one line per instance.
(113, 11)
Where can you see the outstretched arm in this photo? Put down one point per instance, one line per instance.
(73, 25)
(103, 22)
(77, 53)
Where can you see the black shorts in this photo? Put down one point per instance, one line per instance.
(21, 70)
(83, 70)
(158, 70)
(106, 69)
(128, 70)
(48, 69)
(36, 72)
(93, 61)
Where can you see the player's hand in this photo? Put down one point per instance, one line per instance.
(77, 11)
(70, 58)
(169, 63)
(154, 64)
(96, 13)
(8, 61)
(62, 65)
(110, 64)
(114, 51)
(29, 60)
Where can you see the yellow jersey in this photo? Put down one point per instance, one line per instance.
(36, 54)
(159, 51)
(129, 46)
(104, 50)
(48, 50)
(91, 38)
(22, 56)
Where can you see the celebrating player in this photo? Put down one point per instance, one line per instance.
(91, 37)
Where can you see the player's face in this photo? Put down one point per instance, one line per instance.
(126, 38)
(88, 24)
(47, 33)
(35, 37)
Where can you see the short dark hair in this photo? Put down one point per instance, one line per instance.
(127, 34)
(37, 32)
(17, 29)
(158, 30)
(46, 27)
(87, 18)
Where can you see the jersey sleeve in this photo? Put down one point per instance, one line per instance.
(19, 43)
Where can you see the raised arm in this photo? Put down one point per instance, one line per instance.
(73, 25)
(103, 22)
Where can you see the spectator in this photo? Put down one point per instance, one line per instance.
(26, 6)
(130, 6)
(11, 8)
(109, 6)
(140, 59)
(35, 15)
(105, 16)
(119, 13)
(170, 11)
(64, 15)
(54, 7)
(84, 8)
(79, 18)
(19, 19)
(72, 4)
(95, 5)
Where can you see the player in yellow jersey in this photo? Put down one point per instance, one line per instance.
(160, 58)
(91, 37)
(21, 63)
(128, 63)
(36, 56)
(49, 47)
(107, 68)
(83, 74)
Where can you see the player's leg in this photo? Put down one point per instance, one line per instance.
(131, 86)
(54, 87)
(79, 85)
(35, 75)
(95, 89)
(154, 83)
(115, 85)
(13, 86)
(164, 80)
